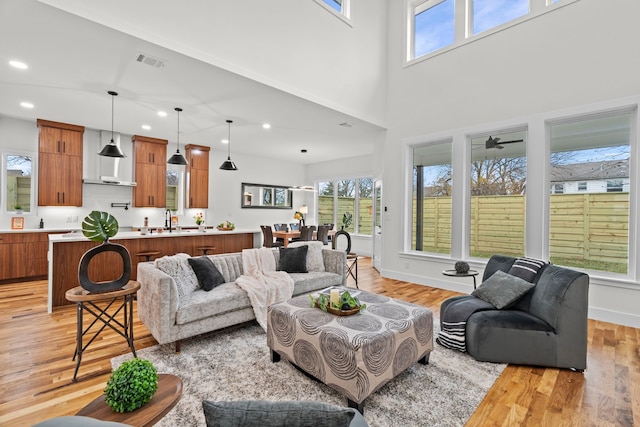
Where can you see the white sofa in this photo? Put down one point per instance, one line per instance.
(171, 317)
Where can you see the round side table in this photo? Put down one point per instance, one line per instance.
(470, 273)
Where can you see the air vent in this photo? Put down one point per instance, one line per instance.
(150, 60)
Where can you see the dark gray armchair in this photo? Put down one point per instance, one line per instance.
(546, 327)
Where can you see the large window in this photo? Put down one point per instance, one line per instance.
(18, 194)
(348, 203)
(431, 201)
(340, 8)
(497, 183)
(434, 26)
(489, 14)
(590, 229)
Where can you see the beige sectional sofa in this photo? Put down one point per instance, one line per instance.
(172, 315)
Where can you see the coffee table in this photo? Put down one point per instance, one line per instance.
(167, 396)
(355, 355)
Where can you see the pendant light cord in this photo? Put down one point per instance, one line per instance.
(229, 143)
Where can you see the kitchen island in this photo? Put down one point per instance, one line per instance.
(66, 250)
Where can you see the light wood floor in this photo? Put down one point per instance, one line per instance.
(36, 366)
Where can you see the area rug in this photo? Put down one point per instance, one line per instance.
(235, 364)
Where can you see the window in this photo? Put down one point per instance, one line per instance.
(340, 8)
(19, 187)
(497, 183)
(591, 229)
(347, 202)
(557, 188)
(431, 201)
(433, 23)
(582, 186)
(487, 14)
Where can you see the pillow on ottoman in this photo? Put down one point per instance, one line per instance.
(502, 289)
(263, 413)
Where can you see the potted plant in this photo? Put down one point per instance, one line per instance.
(131, 386)
(19, 209)
(99, 227)
(347, 219)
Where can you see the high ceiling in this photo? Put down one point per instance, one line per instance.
(73, 62)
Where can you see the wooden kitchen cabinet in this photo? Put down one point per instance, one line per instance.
(59, 164)
(149, 171)
(23, 255)
(197, 176)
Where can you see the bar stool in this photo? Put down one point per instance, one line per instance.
(148, 255)
(205, 249)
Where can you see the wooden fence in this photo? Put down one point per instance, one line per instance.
(347, 204)
(585, 229)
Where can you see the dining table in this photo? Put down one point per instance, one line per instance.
(294, 234)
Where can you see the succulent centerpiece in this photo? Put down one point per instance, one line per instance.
(131, 386)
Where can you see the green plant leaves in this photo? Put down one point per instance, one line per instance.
(131, 385)
(99, 226)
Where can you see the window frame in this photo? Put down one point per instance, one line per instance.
(337, 221)
(344, 15)
(33, 208)
(463, 33)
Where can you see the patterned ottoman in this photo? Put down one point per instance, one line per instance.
(355, 355)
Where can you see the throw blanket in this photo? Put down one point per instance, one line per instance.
(454, 321)
(262, 283)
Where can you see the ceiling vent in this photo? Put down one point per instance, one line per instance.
(150, 60)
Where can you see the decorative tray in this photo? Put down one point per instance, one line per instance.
(341, 312)
(224, 228)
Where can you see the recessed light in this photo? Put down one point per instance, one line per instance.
(19, 65)
(25, 104)
(266, 126)
(162, 113)
(146, 127)
(224, 141)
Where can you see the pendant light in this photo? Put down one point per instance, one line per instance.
(178, 159)
(111, 149)
(228, 165)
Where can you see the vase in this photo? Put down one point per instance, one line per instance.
(91, 286)
(202, 228)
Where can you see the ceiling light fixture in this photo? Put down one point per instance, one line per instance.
(19, 65)
(228, 165)
(111, 149)
(177, 158)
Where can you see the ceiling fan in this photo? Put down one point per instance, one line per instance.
(493, 143)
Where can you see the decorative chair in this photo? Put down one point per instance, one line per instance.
(294, 226)
(306, 232)
(547, 326)
(267, 235)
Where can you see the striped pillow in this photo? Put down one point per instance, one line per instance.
(527, 268)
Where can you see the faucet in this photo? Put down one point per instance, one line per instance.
(167, 219)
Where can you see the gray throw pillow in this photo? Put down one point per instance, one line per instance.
(293, 260)
(502, 289)
(208, 275)
(262, 413)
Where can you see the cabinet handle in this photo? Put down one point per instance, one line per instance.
(58, 147)
(64, 146)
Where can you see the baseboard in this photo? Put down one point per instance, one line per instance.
(616, 317)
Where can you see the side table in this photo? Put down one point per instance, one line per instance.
(470, 273)
(86, 302)
(167, 396)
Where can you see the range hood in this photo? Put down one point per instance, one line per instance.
(109, 165)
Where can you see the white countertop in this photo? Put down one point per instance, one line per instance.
(77, 236)
(41, 230)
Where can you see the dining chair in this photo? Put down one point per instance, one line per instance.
(323, 234)
(306, 232)
(267, 235)
(280, 227)
(294, 226)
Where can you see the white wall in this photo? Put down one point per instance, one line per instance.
(295, 46)
(578, 57)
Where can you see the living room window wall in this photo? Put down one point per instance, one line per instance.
(590, 229)
(347, 202)
(498, 173)
(431, 198)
